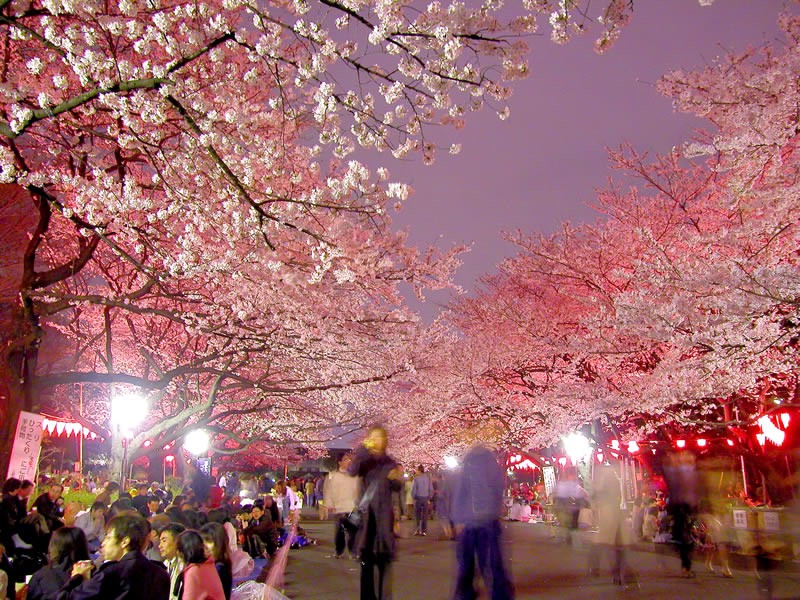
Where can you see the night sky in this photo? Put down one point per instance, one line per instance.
(541, 167)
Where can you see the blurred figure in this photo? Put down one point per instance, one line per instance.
(407, 499)
(67, 547)
(568, 500)
(718, 536)
(341, 495)
(613, 535)
(477, 505)
(444, 505)
(376, 539)
(682, 481)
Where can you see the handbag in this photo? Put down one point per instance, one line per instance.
(356, 516)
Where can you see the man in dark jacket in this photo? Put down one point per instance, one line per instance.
(127, 574)
(261, 534)
(477, 504)
(375, 540)
(47, 506)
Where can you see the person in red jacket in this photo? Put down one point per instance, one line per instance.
(199, 580)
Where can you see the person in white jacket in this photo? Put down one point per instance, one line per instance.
(341, 492)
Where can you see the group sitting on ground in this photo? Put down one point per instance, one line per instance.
(142, 545)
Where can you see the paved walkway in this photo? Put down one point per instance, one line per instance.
(542, 567)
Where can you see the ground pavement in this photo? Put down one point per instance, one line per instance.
(543, 567)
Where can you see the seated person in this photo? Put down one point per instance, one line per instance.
(260, 533)
(11, 515)
(151, 508)
(47, 505)
(126, 573)
(67, 547)
(92, 522)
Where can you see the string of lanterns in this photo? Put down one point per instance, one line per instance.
(67, 429)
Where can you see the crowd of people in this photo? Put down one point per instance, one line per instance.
(141, 543)
(197, 543)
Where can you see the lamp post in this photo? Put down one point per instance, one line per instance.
(127, 412)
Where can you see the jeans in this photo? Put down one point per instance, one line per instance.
(344, 530)
(421, 514)
(481, 542)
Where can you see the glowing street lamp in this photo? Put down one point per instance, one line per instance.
(127, 412)
(451, 462)
(577, 447)
(197, 442)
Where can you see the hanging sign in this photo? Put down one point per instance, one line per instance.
(549, 475)
(27, 445)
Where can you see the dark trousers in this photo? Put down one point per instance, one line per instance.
(344, 530)
(481, 542)
(421, 513)
(376, 576)
(681, 534)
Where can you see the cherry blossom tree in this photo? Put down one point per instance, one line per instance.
(682, 301)
(196, 225)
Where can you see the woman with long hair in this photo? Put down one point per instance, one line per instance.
(215, 539)
(67, 547)
(199, 579)
(241, 562)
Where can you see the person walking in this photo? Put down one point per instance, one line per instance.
(569, 498)
(421, 491)
(477, 504)
(614, 535)
(341, 495)
(681, 475)
(376, 539)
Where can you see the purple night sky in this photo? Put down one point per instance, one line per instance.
(540, 167)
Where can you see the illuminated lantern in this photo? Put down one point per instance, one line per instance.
(761, 438)
(785, 419)
(600, 456)
(680, 443)
(562, 461)
(730, 442)
(633, 447)
(770, 431)
(702, 443)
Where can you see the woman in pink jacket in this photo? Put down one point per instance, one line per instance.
(199, 580)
